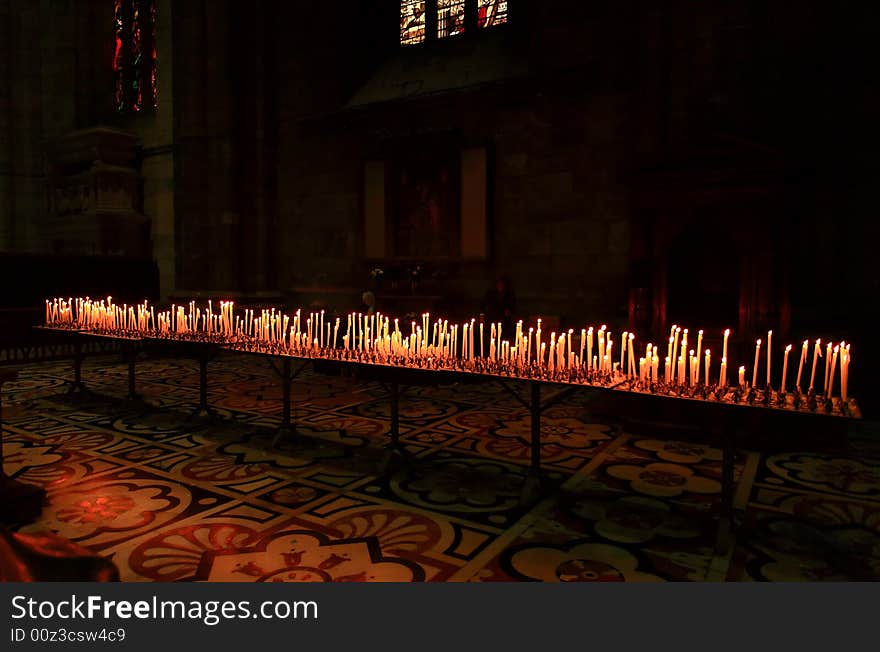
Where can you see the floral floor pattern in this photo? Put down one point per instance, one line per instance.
(167, 498)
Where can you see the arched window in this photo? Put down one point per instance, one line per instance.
(425, 20)
(134, 59)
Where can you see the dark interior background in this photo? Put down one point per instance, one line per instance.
(650, 162)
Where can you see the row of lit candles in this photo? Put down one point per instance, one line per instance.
(381, 337)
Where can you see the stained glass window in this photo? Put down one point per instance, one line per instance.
(491, 13)
(134, 59)
(450, 17)
(412, 21)
(425, 20)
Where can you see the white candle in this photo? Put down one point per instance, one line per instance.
(801, 365)
(827, 368)
(757, 359)
(769, 352)
(708, 361)
(785, 367)
(699, 351)
(675, 350)
(831, 373)
(742, 377)
(817, 352)
(632, 363)
(724, 349)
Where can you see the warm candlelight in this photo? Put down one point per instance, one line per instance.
(827, 368)
(785, 367)
(801, 366)
(817, 353)
(378, 338)
(831, 372)
(699, 351)
(724, 349)
(708, 363)
(755, 368)
(631, 356)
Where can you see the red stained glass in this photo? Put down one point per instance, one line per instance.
(450, 18)
(491, 13)
(134, 60)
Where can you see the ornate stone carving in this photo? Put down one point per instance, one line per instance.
(96, 195)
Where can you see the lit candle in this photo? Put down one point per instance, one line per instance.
(831, 373)
(632, 363)
(827, 368)
(769, 351)
(590, 348)
(801, 365)
(539, 350)
(708, 361)
(699, 351)
(724, 349)
(755, 369)
(675, 351)
(608, 345)
(583, 342)
(785, 367)
(817, 352)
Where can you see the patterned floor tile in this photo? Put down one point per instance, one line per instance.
(171, 498)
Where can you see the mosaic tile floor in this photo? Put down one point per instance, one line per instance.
(168, 499)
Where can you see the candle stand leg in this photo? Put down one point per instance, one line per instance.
(19, 502)
(204, 411)
(531, 490)
(395, 448)
(534, 482)
(287, 427)
(724, 538)
(77, 388)
(131, 353)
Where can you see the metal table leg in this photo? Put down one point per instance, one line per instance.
(77, 387)
(203, 411)
(726, 516)
(394, 449)
(285, 428)
(288, 375)
(534, 482)
(131, 353)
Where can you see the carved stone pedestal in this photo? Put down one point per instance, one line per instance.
(96, 195)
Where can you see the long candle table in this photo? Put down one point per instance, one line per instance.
(723, 423)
